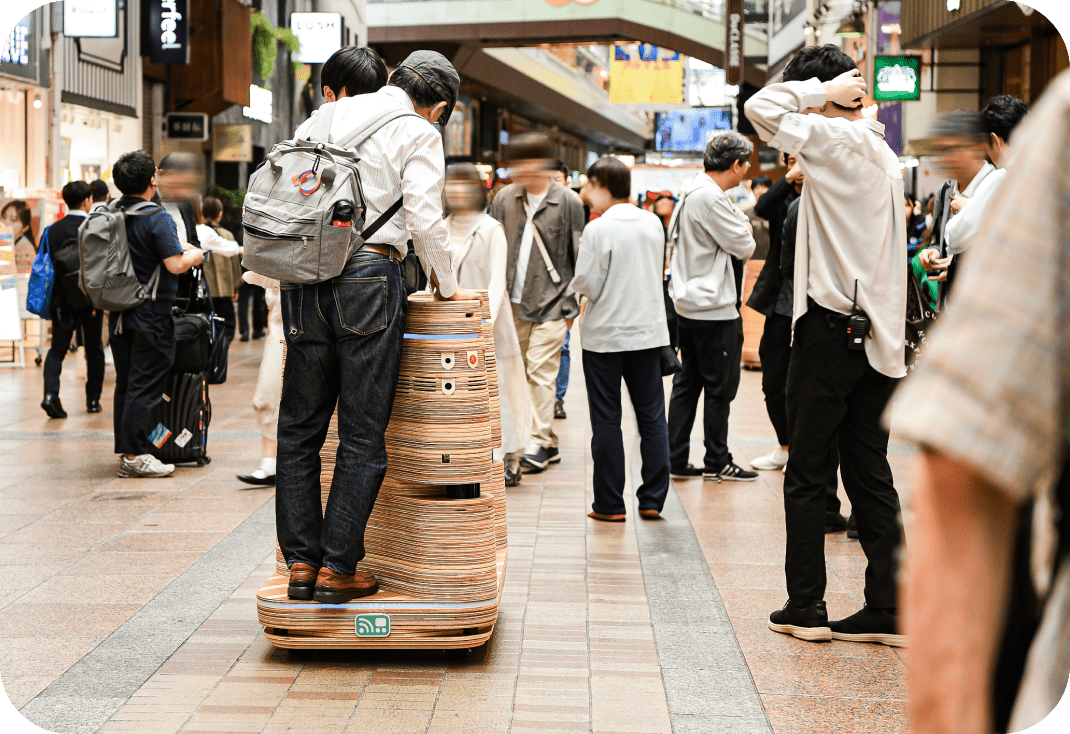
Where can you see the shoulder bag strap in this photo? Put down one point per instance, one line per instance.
(670, 239)
(321, 123)
(383, 218)
(541, 245)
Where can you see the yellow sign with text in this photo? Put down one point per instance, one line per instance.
(646, 82)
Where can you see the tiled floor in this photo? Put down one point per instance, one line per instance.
(574, 649)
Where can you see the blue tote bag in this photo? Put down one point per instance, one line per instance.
(42, 280)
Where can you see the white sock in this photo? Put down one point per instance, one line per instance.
(267, 466)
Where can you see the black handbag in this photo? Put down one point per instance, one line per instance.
(670, 363)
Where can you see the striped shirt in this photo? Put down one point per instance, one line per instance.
(404, 159)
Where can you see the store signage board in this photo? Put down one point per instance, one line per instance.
(645, 74)
(733, 43)
(187, 126)
(953, 5)
(898, 78)
(232, 143)
(165, 32)
(20, 53)
(320, 35)
(260, 105)
(91, 18)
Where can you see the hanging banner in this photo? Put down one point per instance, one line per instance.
(165, 35)
(733, 42)
(646, 74)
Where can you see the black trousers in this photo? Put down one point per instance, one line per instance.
(254, 294)
(224, 309)
(775, 350)
(707, 350)
(89, 323)
(144, 352)
(835, 398)
(641, 372)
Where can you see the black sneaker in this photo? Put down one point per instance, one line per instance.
(869, 625)
(852, 527)
(537, 460)
(835, 522)
(730, 472)
(806, 623)
(688, 471)
(555, 455)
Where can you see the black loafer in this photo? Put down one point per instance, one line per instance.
(559, 410)
(852, 528)
(268, 481)
(512, 478)
(53, 406)
(92, 406)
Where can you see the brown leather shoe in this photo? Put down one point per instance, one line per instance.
(334, 588)
(605, 518)
(649, 514)
(302, 580)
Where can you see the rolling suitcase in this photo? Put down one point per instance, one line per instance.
(180, 421)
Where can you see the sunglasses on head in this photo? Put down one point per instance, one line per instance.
(655, 195)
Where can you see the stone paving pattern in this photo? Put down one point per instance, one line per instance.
(574, 649)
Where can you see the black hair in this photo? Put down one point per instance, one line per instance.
(761, 181)
(18, 204)
(211, 207)
(354, 70)
(960, 124)
(100, 191)
(724, 150)
(559, 165)
(75, 193)
(182, 162)
(531, 147)
(1002, 114)
(612, 175)
(824, 63)
(133, 172)
(420, 92)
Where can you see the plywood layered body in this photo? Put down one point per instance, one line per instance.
(440, 562)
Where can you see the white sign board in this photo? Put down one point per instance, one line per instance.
(320, 35)
(90, 18)
(260, 107)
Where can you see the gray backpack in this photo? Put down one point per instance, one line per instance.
(305, 206)
(107, 276)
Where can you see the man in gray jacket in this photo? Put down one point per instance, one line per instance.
(543, 221)
(708, 231)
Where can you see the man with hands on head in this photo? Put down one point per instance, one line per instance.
(850, 268)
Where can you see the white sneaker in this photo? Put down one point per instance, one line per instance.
(771, 462)
(145, 465)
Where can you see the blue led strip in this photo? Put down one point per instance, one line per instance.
(436, 337)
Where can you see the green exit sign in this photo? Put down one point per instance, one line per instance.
(373, 625)
(898, 78)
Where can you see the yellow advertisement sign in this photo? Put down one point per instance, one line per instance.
(635, 81)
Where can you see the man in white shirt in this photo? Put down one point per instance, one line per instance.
(537, 278)
(709, 230)
(1000, 117)
(851, 258)
(344, 336)
(958, 138)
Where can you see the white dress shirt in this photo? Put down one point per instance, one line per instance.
(516, 295)
(851, 227)
(404, 157)
(180, 224)
(210, 240)
(965, 225)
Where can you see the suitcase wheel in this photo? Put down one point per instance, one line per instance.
(204, 460)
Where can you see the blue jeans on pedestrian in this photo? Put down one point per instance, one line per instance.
(343, 340)
(562, 372)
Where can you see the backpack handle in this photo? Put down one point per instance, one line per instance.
(328, 172)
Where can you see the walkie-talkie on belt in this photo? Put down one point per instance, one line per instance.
(857, 325)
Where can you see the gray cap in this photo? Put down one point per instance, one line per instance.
(436, 70)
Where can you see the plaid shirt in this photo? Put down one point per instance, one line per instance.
(990, 382)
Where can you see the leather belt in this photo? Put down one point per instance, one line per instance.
(384, 250)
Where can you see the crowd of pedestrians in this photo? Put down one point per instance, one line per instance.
(852, 265)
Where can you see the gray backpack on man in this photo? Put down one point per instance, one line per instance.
(107, 276)
(305, 206)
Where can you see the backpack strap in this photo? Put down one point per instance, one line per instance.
(383, 218)
(321, 123)
(358, 136)
(154, 282)
(140, 209)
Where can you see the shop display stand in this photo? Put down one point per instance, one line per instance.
(436, 539)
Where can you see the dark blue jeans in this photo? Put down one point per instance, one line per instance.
(144, 353)
(343, 340)
(641, 372)
(562, 372)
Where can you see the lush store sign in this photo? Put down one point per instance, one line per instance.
(91, 18)
(165, 35)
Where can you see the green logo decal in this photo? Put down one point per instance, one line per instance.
(373, 625)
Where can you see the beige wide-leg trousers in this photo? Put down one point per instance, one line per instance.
(540, 345)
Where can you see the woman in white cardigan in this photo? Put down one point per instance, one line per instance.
(479, 249)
